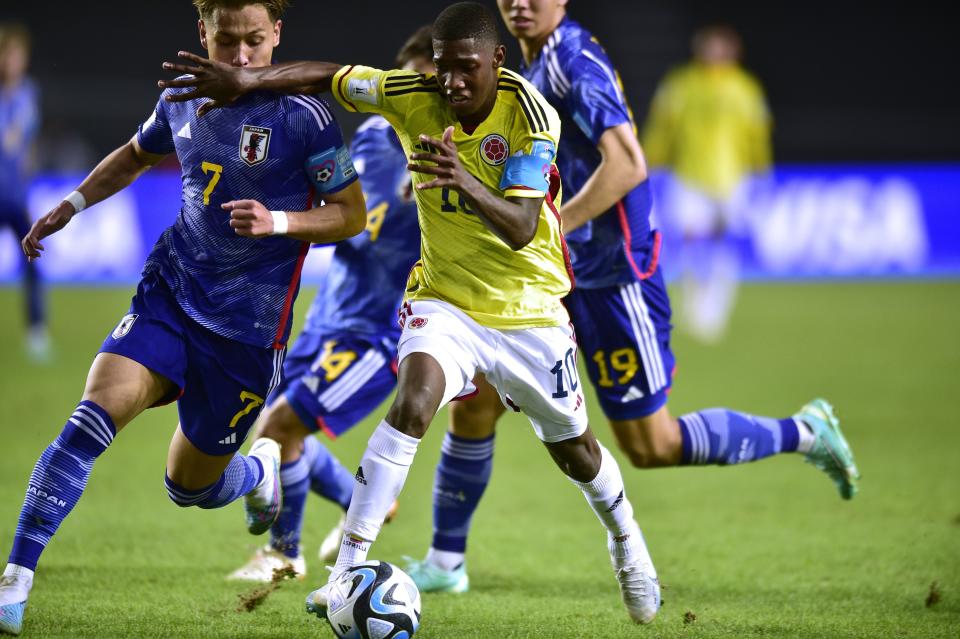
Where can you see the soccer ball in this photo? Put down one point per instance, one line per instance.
(374, 600)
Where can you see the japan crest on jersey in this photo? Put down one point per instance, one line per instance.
(254, 143)
(125, 325)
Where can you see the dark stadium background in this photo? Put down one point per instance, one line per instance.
(846, 81)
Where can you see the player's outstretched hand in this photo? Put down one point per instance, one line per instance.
(445, 163)
(222, 83)
(249, 218)
(47, 225)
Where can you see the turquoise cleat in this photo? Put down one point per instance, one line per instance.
(430, 578)
(11, 618)
(830, 452)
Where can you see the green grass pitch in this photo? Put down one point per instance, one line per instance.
(762, 550)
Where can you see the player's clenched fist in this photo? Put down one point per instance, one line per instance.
(49, 224)
(249, 218)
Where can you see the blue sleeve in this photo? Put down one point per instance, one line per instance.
(328, 165)
(154, 135)
(596, 98)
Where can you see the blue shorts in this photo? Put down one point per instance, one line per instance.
(334, 380)
(223, 383)
(624, 336)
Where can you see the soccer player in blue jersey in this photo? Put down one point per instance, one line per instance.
(19, 122)
(211, 316)
(619, 308)
(343, 364)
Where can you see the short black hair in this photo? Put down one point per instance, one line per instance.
(418, 45)
(465, 20)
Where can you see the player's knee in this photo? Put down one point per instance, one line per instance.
(411, 414)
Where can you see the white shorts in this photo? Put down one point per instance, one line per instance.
(695, 213)
(533, 369)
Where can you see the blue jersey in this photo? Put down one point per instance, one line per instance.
(279, 150)
(577, 78)
(368, 273)
(19, 120)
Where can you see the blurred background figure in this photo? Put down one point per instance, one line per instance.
(19, 122)
(710, 125)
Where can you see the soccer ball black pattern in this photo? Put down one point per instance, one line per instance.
(374, 600)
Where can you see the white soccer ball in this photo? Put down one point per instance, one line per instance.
(374, 600)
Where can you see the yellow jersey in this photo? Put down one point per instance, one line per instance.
(711, 125)
(463, 262)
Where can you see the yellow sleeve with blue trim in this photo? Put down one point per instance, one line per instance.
(393, 93)
(534, 140)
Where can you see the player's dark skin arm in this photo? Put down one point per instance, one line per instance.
(224, 83)
(513, 220)
(114, 173)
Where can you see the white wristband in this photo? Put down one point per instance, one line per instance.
(77, 200)
(280, 223)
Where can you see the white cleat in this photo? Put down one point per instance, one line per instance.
(263, 503)
(15, 586)
(319, 600)
(265, 563)
(640, 592)
(639, 586)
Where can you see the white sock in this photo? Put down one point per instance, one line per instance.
(16, 583)
(608, 499)
(379, 480)
(606, 496)
(807, 438)
(445, 559)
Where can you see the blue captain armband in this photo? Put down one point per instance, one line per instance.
(528, 175)
(331, 170)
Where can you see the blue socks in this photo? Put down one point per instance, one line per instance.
(58, 480)
(241, 476)
(462, 476)
(319, 470)
(722, 436)
(295, 483)
(328, 477)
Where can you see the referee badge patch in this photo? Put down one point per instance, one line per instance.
(494, 149)
(125, 325)
(254, 144)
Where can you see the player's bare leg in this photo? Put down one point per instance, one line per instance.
(594, 471)
(117, 390)
(421, 387)
(650, 442)
(124, 388)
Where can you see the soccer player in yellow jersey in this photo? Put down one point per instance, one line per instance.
(709, 124)
(485, 297)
